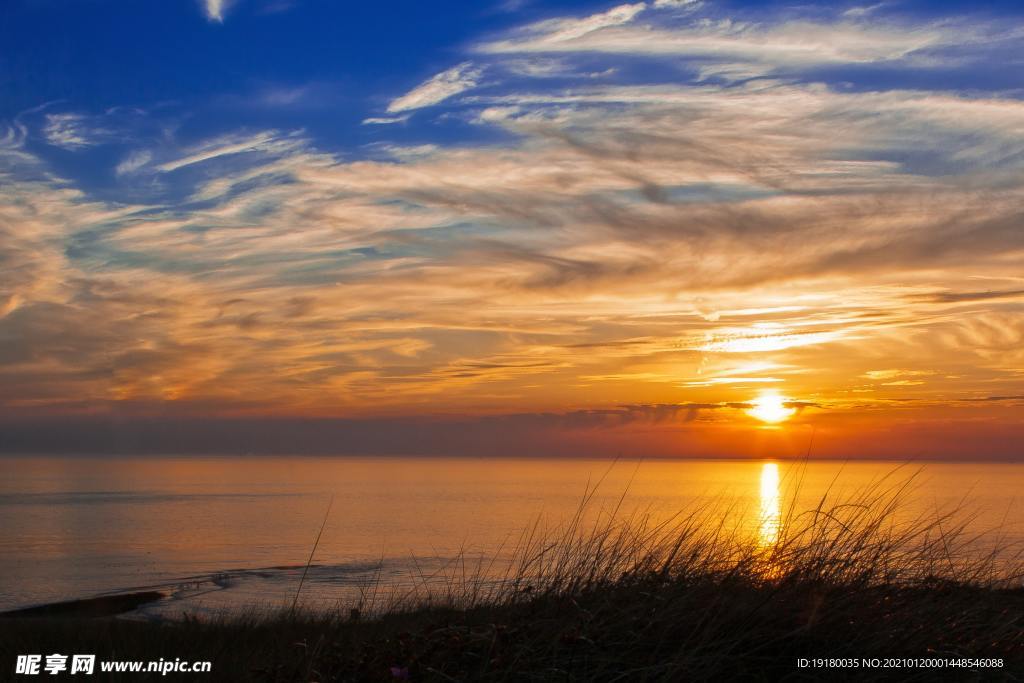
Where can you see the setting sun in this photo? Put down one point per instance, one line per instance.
(771, 407)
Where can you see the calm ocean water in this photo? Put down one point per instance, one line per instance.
(220, 533)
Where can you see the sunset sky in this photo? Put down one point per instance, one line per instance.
(519, 226)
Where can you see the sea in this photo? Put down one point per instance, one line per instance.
(222, 535)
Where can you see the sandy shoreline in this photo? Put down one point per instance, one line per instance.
(100, 606)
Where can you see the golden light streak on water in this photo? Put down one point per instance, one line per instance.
(770, 519)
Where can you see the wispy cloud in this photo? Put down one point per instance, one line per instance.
(385, 120)
(215, 10)
(675, 4)
(730, 45)
(71, 131)
(266, 143)
(439, 88)
(679, 241)
(564, 30)
(133, 162)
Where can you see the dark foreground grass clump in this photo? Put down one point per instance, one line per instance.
(628, 600)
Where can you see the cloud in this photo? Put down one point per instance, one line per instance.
(968, 297)
(71, 131)
(675, 4)
(438, 88)
(893, 374)
(216, 9)
(133, 162)
(269, 143)
(544, 67)
(283, 97)
(537, 434)
(665, 242)
(559, 30)
(385, 120)
(721, 45)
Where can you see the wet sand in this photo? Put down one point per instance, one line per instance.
(101, 606)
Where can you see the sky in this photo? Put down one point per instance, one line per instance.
(512, 227)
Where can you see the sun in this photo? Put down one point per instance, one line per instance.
(770, 407)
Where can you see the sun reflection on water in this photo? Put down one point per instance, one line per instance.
(770, 519)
